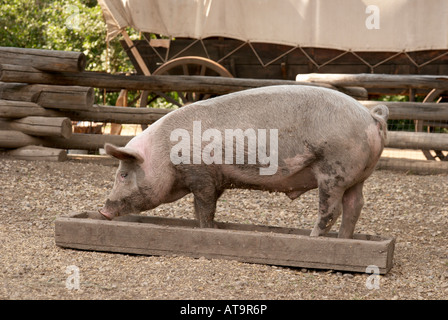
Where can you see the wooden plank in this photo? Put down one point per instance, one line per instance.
(162, 83)
(218, 85)
(412, 110)
(370, 80)
(104, 160)
(120, 115)
(135, 53)
(417, 140)
(98, 113)
(246, 243)
(40, 126)
(72, 97)
(15, 139)
(49, 96)
(19, 109)
(45, 60)
(85, 141)
(413, 166)
(38, 153)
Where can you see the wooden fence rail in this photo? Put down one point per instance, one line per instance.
(203, 84)
(42, 91)
(45, 60)
(368, 80)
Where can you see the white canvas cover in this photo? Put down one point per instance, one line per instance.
(356, 25)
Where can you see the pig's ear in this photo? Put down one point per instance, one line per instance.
(122, 153)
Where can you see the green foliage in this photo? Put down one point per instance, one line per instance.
(70, 25)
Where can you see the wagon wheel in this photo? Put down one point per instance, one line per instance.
(191, 66)
(419, 127)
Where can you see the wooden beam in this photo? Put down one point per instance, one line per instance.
(45, 60)
(11, 139)
(247, 243)
(49, 96)
(412, 110)
(414, 166)
(122, 101)
(20, 109)
(204, 84)
(97, 113)
(369, 80)
(119, 115)
(38, 153)
(86, 141)
(417, 140)
(40, 126)
(136, 54)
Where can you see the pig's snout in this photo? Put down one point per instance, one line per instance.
(107, 215)
(111, 209)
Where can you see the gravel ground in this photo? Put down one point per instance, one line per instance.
(412, 208)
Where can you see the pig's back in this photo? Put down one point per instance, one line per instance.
(309, 110)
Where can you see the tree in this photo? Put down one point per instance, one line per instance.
(69, 25)
(73, 25)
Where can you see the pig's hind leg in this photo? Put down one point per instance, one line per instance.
(352, 203)
(330, 208)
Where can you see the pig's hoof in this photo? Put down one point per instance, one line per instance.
(208, 224)
(316, 232)
(343, 235)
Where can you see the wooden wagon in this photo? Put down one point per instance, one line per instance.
(282, 39)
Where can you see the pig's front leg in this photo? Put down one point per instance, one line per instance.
(352, 204)
(330, 206)
(205, 206)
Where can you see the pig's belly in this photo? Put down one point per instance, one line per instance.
(290, 184)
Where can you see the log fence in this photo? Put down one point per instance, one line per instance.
(43, 91)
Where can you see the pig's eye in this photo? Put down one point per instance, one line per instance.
(124, 175)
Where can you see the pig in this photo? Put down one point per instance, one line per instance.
(318, 138)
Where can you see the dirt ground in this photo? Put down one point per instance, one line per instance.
(412, 208)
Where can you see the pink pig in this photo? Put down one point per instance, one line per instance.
(288, 139)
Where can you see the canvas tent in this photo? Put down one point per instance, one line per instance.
(351, 25)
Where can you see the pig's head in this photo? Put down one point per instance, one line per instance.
(131, 191)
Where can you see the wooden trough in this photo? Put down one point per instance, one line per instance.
(148, 235)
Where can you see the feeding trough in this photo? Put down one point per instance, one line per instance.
(149, 235)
